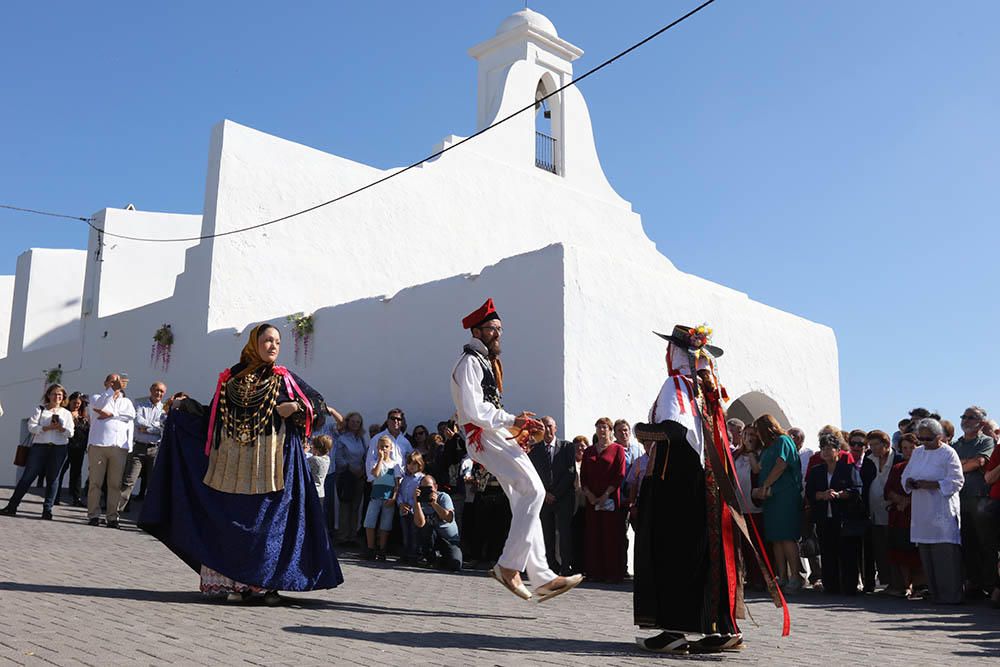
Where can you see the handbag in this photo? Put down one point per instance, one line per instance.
(21, 454)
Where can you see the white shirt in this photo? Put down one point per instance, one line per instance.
(42, 418)
(934, 515)
(151, 417)
(400, 448)
(115, 431)
(876, 492)
(467, 394)
(804, 455)
(743, 471)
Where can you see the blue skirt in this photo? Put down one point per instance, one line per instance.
(277, 541)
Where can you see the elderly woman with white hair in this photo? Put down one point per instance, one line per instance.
(933, 479)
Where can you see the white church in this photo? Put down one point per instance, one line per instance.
(524, 216)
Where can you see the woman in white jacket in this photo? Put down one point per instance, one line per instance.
(933, 479)
(51, 427)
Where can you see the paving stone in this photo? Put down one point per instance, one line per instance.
(73, 594)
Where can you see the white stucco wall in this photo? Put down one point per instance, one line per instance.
(6, 310)
(615, 365)
(47, 298)
(134, 273)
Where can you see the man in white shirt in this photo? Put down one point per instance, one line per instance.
(400, 444)
(476, 389)
(111, 417)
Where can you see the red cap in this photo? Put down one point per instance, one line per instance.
(484, 313)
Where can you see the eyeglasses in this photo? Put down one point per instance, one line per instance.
(499, 330)
(933, 439)
(855, 445)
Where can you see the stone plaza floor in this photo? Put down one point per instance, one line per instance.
(73, 594)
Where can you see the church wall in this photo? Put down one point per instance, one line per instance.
(6, 311)
(47, 298)
(368, 355)
(454, 215)
(132, 274)
(615, 365)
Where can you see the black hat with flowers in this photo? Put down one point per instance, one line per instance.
(692, 339)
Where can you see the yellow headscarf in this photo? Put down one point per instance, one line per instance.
(250, 354)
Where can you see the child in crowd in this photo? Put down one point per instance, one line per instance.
(319, 462)
(381, 507)
(407, 497)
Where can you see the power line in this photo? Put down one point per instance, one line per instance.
(402, 171)
(48, 213)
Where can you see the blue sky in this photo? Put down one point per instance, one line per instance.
(838, 160)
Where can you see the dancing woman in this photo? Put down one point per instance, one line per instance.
(231, 493)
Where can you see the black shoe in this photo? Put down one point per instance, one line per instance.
(113, 524)
(380, 556)
(47, 515)
(665, 642)
(9, 510)
(78, 502)
(272, 599)
(125, 510)
(94, 522)
(56, 502)
(369, 554)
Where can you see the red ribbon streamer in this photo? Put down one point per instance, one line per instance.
(474, 436)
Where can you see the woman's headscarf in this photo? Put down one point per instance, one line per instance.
(250, 356)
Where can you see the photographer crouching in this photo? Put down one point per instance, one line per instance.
(434, 519)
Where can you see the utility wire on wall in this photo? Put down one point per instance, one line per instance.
(414, 165)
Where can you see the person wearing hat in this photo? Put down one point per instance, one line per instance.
(688, 574)
(476, 388)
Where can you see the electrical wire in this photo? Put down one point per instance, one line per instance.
(400, 172)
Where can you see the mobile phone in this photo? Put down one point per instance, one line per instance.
(56, 419)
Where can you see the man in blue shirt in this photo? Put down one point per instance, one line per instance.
(434, 517)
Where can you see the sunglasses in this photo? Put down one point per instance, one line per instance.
(970, 418)
(395, 419)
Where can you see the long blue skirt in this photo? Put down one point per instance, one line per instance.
(277, 541)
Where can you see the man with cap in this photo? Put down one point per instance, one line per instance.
(688, 573)
(476, 388)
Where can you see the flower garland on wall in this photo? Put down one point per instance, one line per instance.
(163, 342)
(303, 327)
(53, 376)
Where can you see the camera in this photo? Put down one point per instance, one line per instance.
(424, 493)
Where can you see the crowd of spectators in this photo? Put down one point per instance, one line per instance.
(915, 514)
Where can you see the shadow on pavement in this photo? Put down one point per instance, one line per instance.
(357, 608)
(481, 642)
(113, 593)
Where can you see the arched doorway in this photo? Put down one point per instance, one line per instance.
(753, 404)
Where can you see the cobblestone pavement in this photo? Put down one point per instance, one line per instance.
(72, 594)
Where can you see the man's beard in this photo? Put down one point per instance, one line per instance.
(494, 348)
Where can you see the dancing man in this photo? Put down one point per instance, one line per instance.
(476, 387)
(688, 573)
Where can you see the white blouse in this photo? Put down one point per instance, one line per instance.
(935, 512)
(42, 418)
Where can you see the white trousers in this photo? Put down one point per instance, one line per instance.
(525, 545)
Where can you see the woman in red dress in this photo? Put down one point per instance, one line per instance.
(903, 556)
(601, 475)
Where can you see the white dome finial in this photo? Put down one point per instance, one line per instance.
(530, 18)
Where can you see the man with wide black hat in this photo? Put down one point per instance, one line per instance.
(688, 573)
(476, 388)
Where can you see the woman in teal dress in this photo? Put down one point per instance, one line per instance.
(781, 493)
